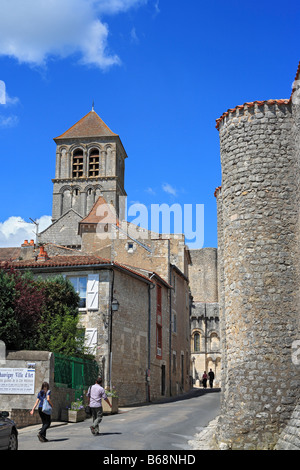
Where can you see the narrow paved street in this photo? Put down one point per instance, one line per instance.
(163, 426)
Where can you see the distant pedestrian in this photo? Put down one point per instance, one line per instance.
(204, 379)
(43, 395)
(95, 394)
(211, 376)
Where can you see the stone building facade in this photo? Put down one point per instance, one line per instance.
(205, 327)
(123, 340)
(258, 271)
(144, 348)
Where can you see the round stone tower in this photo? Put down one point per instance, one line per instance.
(258, 272)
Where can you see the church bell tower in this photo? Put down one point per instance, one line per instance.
(90, 162)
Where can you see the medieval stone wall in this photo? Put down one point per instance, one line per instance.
(258, 285)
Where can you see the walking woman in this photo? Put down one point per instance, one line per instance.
(204, 379)
(44, 394)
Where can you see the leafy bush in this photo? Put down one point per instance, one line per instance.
(39, 314)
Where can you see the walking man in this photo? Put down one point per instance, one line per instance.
(95, 394)
(211, 376)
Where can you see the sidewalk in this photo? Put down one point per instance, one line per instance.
(205, 440)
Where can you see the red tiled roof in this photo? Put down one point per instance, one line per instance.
(91, 125)
(250, 105)
(9, 254)
(59, 261)
(66, 261)
(95, 216)
(217, 190)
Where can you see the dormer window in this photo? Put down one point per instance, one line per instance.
(94, 163)
(77, 163)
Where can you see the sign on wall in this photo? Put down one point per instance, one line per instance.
(17, 381)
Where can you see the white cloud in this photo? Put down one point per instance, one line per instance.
(15, 230)
(117, 6)
(8, 121)
(134, 36)
(150, 191)
(167, 188)
(32, 31)
(6, 101)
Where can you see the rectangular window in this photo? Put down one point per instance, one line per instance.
(80, 286)
(159, 341)
(174, 323)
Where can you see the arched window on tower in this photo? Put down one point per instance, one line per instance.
(94, 163)
(196, 342)
(214, 342)
(77, 163)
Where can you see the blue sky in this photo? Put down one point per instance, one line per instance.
(160, 72)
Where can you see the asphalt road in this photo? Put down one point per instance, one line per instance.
(164, 426)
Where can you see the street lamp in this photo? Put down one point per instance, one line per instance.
(115, 305)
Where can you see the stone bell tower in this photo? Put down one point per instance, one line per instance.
(90, 162)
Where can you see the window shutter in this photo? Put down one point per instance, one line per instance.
(93, 292)
(91, 340)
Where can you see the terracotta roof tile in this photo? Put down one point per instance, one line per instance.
(91, 125)
(70, 261)
(95, 216)
(9, 254)
(217, 190)
(250, 105)
(57, 261)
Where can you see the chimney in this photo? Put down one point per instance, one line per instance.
(43, 255)
(27, 250)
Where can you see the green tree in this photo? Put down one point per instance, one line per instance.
(9, 326)
(39, 314)
(59, 330)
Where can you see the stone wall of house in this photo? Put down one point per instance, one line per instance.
(130, 339)
(64, 231)
(258, 237)
(19, 405)
(180, 334)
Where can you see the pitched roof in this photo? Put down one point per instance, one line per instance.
(67, 261)
(91, 125)
(9, 254)
(96, 215)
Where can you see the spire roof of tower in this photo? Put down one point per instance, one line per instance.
(91, 125)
